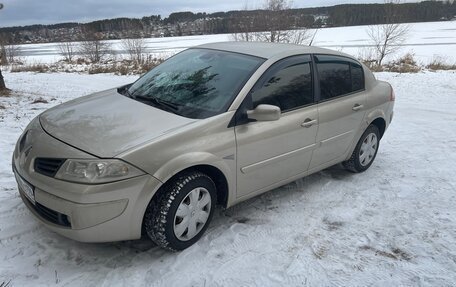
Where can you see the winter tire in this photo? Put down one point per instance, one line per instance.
(366, 149)
(180, 214)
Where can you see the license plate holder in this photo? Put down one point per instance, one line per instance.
(27, 189)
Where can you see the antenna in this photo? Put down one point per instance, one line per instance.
(313, 37)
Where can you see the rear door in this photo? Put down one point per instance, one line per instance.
(341, 106)
(272, 151)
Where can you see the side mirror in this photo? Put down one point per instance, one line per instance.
(264, 113)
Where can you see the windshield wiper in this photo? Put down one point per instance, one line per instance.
(158, 102)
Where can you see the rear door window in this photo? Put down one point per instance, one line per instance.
(338, 76)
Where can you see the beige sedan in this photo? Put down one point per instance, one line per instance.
(214, 125)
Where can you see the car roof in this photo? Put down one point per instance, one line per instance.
(269, 50)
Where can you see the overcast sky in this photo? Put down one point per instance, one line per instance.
(27, 12)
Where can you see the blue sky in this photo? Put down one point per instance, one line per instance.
(26, 12)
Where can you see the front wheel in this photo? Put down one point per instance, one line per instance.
(182, 212)
(365, 151)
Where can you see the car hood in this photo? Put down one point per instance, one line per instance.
(107, 123)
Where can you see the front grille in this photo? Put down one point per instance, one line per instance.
(49, 214)
(48, 166)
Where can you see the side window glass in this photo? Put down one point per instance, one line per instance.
(338, 76)
(335, 79)
(288, 88)
(357, 75)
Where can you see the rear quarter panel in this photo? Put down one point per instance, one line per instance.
(377, 105)
(378, 102)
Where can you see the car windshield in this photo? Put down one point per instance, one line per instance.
(196, 83)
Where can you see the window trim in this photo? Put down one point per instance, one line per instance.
(347, 60)
(281, 64)
(239, 117)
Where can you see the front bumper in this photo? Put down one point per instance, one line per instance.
(87, 213)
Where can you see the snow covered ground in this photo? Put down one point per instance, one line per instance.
(393, 225)
(428, 41)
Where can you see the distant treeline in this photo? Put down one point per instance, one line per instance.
(188, 23)
(367, 14)
(97, 26)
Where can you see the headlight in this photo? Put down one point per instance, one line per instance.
(96, 171)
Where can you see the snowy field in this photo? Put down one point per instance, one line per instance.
(393, 225)
(427, 41)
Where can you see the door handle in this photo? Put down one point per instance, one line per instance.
(357, 107)
(308, 123)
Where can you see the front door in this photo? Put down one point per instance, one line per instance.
(269, 152)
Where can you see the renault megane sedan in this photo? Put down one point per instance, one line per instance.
(214, 125)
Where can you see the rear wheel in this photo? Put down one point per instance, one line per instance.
(178, 217)
(365, 151)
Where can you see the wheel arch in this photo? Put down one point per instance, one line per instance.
(374, 118)
(377, 118)
(208, 163)
(219, 178)
(204, 162)
(380, 123)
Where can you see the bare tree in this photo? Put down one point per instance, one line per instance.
(12, 52)
(243, 36)
(299, 36)
(67, 50)
(3, 87)
(9, 53)
(387, 38)
(275, 19)
(3, 61)
(3, 58)
(275, 23)
(245, 26)
(135, 49)
(94, 48)
(2, 83)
